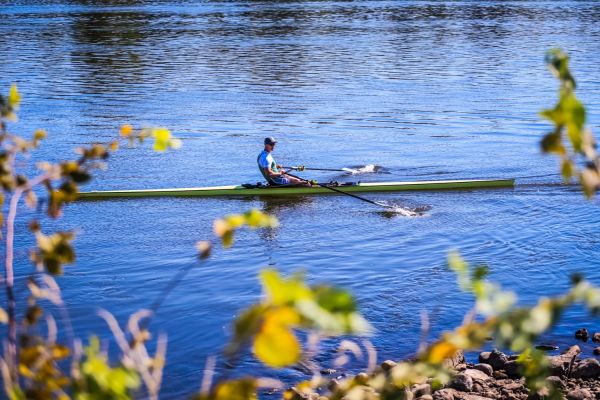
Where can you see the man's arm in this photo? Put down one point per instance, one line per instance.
(270, 172)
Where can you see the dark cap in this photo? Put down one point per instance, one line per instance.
(270, 140)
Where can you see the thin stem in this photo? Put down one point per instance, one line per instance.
(10, 295)
(9, 271)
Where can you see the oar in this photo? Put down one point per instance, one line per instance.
(303, 168)
(342, 192)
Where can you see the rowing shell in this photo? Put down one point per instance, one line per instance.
(255, 190)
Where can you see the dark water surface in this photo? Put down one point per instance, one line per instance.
(425, 89)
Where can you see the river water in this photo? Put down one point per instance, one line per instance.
(423, 89)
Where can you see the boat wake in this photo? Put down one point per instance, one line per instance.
(364, 169)
(394, 210)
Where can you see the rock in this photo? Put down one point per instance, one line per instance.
(476, 374)
(597, 351)
(556, 381)
(444, 394)
(453, 394)
(580, 394)
(468, 396)
(596, 337)
(560, 365)
(582, 334)
(588, 368)
(513, 369)
(460, 367)
(387, 365)
(497, 360)
(462, 382)
(485, 368)
(478, 387)
(484, 357)
(510, 385)
(500, 375)
(421, 390)
(456, 359)
(425, 397)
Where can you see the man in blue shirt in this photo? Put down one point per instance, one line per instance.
(274, 173)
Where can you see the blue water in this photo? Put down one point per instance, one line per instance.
(424, 89)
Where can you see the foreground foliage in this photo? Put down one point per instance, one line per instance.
(37, 366)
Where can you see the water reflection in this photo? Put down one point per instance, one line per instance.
(279, 207)
(113, 49)
(428, 89)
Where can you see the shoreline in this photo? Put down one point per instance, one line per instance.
(495, 376)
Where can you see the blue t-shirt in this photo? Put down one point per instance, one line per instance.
(265, 162)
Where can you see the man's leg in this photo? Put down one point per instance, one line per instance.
(296, 181)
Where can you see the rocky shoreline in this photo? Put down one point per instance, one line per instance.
(496, 376)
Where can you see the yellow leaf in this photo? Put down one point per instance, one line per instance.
(3, 316)
(40, 134)
(258, 219)
(60, 351)
(275, 344)
(26, 372)
(14, 98)
(281, 291)
(277, 348)
(162, 137)
(235, 220)
(126, 130)
(161, 134)
(441, 351)
(241, 389)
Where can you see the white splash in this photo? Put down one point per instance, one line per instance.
(405, 212)
(362, 170)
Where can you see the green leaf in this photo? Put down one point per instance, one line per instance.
(567, 169)
(575, 117)
(554, 115)
(334, 300)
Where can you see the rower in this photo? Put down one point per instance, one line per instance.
(273, 172)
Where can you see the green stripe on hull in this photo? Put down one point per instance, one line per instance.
(370, 187)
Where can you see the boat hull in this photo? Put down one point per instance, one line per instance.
(367, 187)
